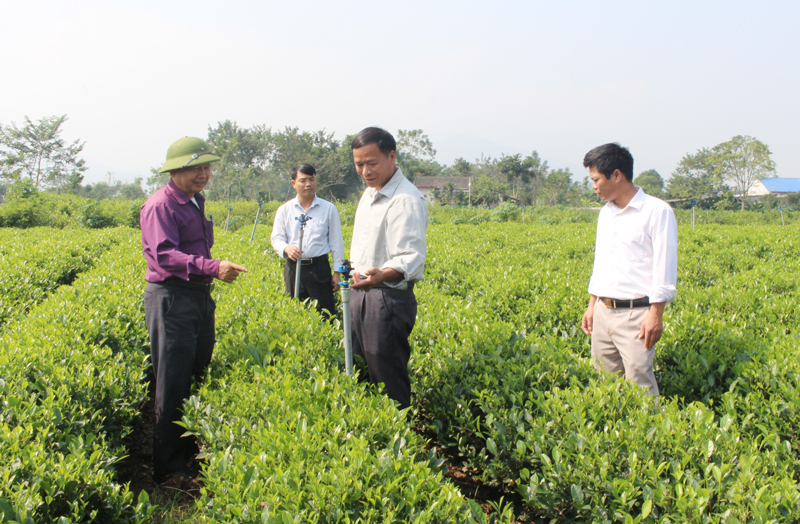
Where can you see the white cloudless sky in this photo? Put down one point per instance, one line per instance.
(664, 79)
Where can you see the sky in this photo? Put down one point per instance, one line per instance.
(662, 78)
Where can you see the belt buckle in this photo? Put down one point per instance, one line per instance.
(609, 303)
(306, 261)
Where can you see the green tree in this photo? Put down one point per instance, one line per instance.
(416, 155)
(460, 167)
(586, 193)
(449, 192)
(538, 170)
(132, 191)
(650, 182)
(742, 160)
(556, 187)
(333, 160)
(487, 191)
(158, 180)
(696, 177)
(37, 152)
(416, 143)
(515, 173)
(112, 189)
(245, 156)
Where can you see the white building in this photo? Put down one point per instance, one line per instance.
(774, 186)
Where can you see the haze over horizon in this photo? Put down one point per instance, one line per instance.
(558, 78)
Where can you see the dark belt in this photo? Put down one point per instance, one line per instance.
(614, 303)
(409, 288)
(309, 261)
(188, 284)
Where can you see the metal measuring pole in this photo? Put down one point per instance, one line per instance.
(782, 222)
(693, 215)
(227, 220)
(344, 285)
(302, 219)
(256, 222)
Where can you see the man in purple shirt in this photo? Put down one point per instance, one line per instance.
(179, 310)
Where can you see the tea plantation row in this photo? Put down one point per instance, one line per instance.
(288, 437)
(34, 262)
(71, 384)
(275, 414)
(500, 372)
(503, 376)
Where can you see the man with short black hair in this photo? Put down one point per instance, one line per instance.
(179, 309)
(388, 256)
(635, 269)
(322, 235)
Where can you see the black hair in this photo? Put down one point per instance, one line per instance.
(375, 135)
(607, 158)
(306, 169)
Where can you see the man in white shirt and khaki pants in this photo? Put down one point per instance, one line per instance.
(388, 256)
(322, 235)
(635, 269)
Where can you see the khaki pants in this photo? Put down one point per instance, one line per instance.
(617, 348)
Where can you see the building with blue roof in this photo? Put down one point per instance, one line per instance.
(774, 186)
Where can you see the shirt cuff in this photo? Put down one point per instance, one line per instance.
(280, 249)
(663, 294)
(400, 268)
(211, 267)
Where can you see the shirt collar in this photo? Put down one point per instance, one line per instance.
(636, 202)
(177, 194)
(391, 186)
(296, 202)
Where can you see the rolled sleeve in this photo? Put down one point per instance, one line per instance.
(335, 238)
(406, 238)
(278, 238)
(664, 231)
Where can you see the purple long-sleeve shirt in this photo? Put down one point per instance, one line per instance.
(176, 237)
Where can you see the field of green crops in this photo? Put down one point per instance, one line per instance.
(502, 385)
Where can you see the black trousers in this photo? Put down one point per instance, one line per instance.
(181, 326)
(315, 283)
(382, 321)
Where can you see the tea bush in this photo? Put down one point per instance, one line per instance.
(502, 374)
(34, 262)
(287, 437)
(71, 380)
(500, 371)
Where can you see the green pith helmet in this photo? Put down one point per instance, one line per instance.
(186, 152)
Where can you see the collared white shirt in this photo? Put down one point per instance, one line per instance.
(390, 229)
(322, 234)
(636, 254)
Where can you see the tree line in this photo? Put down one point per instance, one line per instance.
(256, 162)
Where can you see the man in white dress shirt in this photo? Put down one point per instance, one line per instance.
(635, 269)
(388, 256)
(322, 235)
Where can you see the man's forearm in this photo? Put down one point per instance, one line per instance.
(658, 308)
(390, 275)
